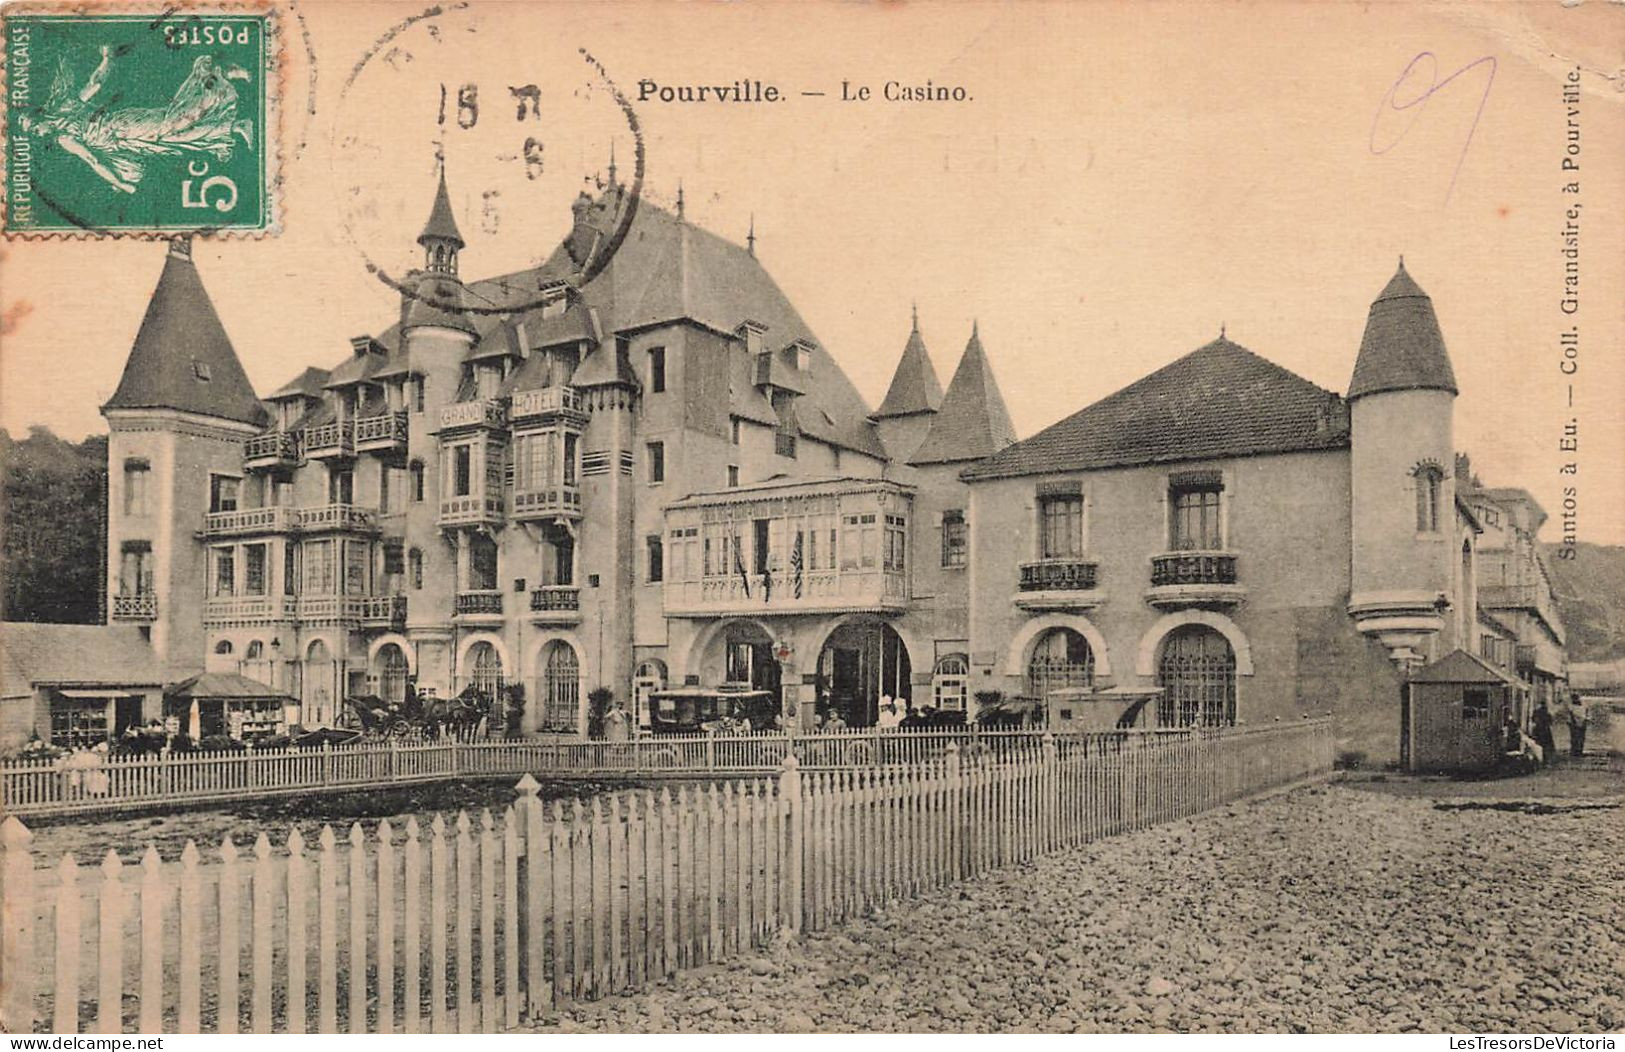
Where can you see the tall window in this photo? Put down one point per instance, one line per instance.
(462, 470)
(1429, 485)
(414, 567)
(733, 476)
(392, 673)
(340, 486)
(657, 560)
(225, 572)
(570, 444)
(1060, 526)
(419, 385)
(657, 369)
(482, 563)
(290, 575)
(254, 569)
(223, 492)
(560, 687)
(1197, 672)
(1195, 524)
(657, 461)
(485, 669)
(1060, 658)
(321, 570)
(357, 563)
(950, 683)
(955, 538)
(733, 430)
(135, 568)
(896, 543)
(416, 474)
(136, 475)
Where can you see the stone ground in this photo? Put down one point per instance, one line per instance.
(1385, 905)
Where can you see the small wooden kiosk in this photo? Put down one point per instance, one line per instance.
(1456, 714)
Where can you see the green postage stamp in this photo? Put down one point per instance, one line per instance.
(126, 122)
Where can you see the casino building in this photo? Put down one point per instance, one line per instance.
(651, 473)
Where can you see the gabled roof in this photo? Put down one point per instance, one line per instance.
(1403, 349)
(1458, 666)
(499, 341)
(1220, 400)
(914, 386)
(182, 358)
(33, 654)
(973, 421)
(442, 225)
(308, 384)
(222, 685)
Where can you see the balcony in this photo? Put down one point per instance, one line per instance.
(1059, 584)
(137, 608)
(249, 521)
(330, 441)
(384, 611)
(335, 518)
(472, 510)
(344, 610)
(247, 610)
(274, 449)
(553, 502)
(555, 604)
(479, 605)
(385, 433)
(1194, 579)
(470, 416)
(547, 404)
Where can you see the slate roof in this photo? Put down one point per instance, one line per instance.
(973, 421)
(1403, 349)
(222, 685)
(442, 224)
(1458, 666)
(181, 341)
(89, 655)
(308, 384)
(914, 386)
(1220, 400)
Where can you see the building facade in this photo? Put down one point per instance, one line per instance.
(634, 467)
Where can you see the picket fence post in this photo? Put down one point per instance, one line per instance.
(790, 797)
(17, 933)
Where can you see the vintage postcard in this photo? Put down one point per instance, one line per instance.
(650, 517)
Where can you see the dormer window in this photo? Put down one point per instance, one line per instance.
(555, 299)
(753, 333)
(801, 355)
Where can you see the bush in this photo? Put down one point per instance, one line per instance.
(1349, 760)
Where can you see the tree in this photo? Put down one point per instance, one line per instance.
(54, 495)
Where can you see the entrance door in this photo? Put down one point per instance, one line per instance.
(846, 682)
(126, 714)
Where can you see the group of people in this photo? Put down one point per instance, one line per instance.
(1541, 723)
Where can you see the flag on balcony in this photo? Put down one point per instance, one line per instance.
(739, 568)
(795, 563)
(767, 583)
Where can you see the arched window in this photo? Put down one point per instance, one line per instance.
(484, 669)
(320, 674)
(560, 687)
(950, 683)
(1429, 486)
(416, 472)
(223, 647)
(392, 672)
(1197, 672)
(1060, 658)
(254, 664)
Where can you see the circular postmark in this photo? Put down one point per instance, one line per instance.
(521, 126)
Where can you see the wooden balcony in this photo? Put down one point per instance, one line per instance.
(384, 611)
(555, 604)
(133, 608)
(384, 433)
(338, 518)
(1059, 584)
(248, 610)
(479, 605)
(1194, 579)
(274, 449)
(552, 502)
(249, 521)
(473, 510)
(547, 404)
(346, 610)
(488, 414)
(333, 441)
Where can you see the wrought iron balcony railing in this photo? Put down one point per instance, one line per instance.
(135, 607)
(482, 602)
(1183, 568)
(551, 598)
(1058, 575)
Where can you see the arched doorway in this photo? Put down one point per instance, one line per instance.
(861, 662)
(484, 669)
(1197, 672)
(950, 683)
(317, 689)
(748, 659)
(392, 672)
(649, 677)
(1061, 658)
(558, 690)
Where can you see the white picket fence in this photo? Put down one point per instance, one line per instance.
(479, 924)
(45, 787)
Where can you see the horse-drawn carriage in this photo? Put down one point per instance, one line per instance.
(690, 710)
(469, 715)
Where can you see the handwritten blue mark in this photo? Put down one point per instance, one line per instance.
(1394, 102)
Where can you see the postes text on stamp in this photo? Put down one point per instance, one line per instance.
(133, 122)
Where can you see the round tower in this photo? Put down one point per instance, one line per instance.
(1401, 401)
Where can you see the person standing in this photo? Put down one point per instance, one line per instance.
(1579, 717)
(1540, 728)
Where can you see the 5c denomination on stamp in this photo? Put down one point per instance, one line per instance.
(129, 122)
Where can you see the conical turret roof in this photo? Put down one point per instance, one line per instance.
(182, 358)
(973, 421)
(442, 225)
(1403, 349)
(914, 386)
